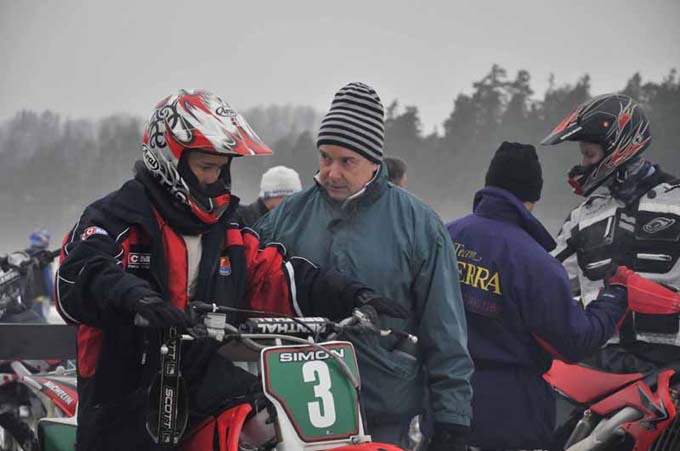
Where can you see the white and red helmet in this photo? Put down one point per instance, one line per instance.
(196, 121)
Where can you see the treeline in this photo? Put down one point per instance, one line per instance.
(52, 167)
(448, 169)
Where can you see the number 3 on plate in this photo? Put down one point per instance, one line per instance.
(321, 414)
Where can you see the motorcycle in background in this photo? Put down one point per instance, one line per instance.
(36, 379)
(29, 391)
(20, 271)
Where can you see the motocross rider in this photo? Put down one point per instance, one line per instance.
(630, 216)
(166, 237)
(40, 282)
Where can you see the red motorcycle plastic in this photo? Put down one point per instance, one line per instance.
(623, 411)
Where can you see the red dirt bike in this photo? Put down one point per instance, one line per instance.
(29, 391)
(623, 411)
(310, 399)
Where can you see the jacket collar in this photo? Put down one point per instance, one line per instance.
(501, 205)
(177, 215)
(133, 205)
(362, 198)
(260, 206)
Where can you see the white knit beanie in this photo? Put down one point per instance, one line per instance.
(279, 181)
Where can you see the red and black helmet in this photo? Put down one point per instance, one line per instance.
(614, 121)
(196, 121)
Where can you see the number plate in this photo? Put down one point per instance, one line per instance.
(313, 391)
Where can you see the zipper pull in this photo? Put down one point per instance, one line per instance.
(146, 347)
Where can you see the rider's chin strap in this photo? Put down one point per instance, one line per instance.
(626, 184)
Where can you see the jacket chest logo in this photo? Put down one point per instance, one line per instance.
(658, 224)
(139, 260)
(225, 266)
(93, 230)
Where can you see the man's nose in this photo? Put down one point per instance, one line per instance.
(334, 171)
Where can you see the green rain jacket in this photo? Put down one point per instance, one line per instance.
(388, 239)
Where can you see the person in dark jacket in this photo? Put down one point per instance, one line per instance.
(519, 306)
(396, 171)
(276, 185)
(40, 278)
(140, 254)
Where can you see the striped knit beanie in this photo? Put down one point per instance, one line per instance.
(355, 121)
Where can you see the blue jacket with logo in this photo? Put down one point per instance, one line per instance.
(520, 314)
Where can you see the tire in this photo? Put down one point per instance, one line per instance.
(16, 434)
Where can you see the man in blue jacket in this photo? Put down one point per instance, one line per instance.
(519, 306)
(353, 220)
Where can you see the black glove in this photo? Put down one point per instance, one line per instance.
(449, 437)
(617, 293)
(158, 313)
(383, 306)
(43, 258)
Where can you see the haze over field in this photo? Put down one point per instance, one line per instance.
(476, 72)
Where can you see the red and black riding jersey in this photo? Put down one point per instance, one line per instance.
(122, 249)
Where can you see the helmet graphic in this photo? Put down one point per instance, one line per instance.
(196, 121)
(39, 238)
(614, 121)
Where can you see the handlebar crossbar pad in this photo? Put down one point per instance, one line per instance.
(285, 326)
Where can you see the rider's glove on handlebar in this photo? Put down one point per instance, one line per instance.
(616, 292)
(449, 437)
(382, 305)
(159, 313)
(620, 276)
(43, 258)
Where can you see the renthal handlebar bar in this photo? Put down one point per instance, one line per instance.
(360, 321)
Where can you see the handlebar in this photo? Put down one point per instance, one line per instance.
(361, 321)
(20, 260)
(283, 328)
(646, 296)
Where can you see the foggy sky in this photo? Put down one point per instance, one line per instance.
(93, 58)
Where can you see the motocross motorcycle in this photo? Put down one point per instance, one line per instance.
(607, 411)
(17, 271)
(36, 380)
(310, 398)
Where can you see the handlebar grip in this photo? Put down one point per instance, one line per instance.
(203, 307)
(55, 253)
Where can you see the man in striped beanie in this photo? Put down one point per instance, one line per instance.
(353, 220)
(352, 131)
